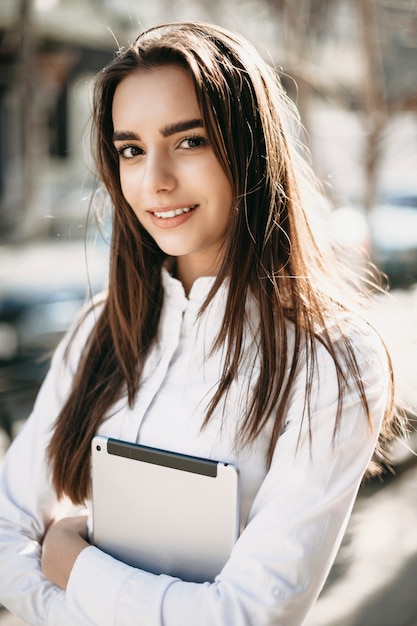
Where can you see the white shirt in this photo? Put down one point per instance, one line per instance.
(294, 514)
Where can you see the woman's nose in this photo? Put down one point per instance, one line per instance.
(158, 174)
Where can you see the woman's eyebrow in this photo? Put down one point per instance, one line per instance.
(166, 131)
(179, 127)
(125, 135)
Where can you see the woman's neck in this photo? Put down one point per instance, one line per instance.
(188, 272)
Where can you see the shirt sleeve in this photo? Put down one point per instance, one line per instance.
(296, 524)
(28, 504)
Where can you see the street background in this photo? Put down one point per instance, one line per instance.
(351, 69)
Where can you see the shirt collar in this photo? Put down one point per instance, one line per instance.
(198, 293)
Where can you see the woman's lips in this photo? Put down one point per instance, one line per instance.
(167, 214)
(170, 217)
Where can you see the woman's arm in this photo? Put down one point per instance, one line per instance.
(28, 504)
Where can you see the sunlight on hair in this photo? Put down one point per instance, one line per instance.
(45, 5)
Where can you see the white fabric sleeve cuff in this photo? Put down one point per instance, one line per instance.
(59, 614)
(97, 588)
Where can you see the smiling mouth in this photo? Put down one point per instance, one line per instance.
(173, 212)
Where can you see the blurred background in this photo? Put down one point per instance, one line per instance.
(351, 68)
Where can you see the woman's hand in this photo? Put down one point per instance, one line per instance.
(63, 542)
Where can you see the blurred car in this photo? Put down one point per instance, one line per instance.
(43, 284)
(387, 234)
(393, 231)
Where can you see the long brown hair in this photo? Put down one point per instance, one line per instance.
(270, 249)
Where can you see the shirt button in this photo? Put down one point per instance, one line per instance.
(276, 592)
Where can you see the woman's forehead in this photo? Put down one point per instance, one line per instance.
(163, 95)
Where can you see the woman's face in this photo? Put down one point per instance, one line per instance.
(169, 173)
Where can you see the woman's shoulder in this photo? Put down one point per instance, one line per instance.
(88, 315)
(358, 331)
(76, 338)
(358, 347)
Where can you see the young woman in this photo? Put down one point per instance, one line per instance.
(225, 333)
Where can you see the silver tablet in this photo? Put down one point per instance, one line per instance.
(162, 511)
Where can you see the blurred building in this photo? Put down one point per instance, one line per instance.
(47, 58)
(50, 49)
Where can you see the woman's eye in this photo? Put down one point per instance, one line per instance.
(193, 142)
(129, 152)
